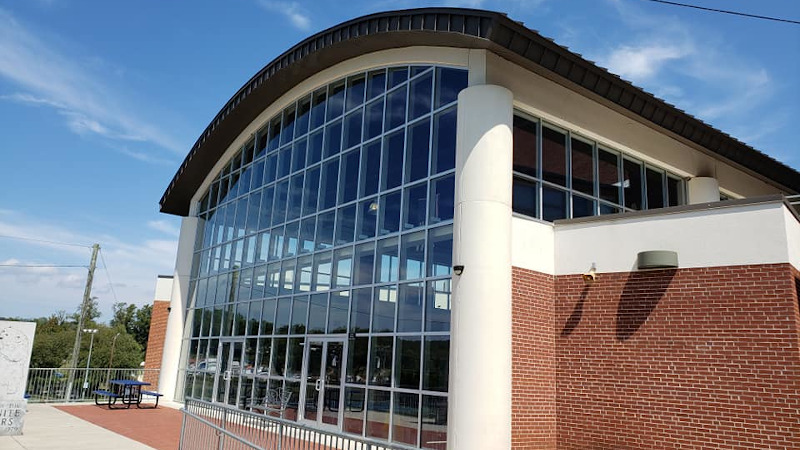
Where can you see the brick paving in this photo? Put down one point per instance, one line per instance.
(159, 428)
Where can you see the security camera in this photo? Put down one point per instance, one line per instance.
(590, 276)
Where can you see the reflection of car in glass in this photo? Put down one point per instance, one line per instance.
(206, 365)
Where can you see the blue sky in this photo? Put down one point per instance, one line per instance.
(100, 101)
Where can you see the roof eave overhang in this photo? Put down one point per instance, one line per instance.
(457, 28)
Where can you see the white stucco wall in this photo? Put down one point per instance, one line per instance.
(751, 234)
(163, 288)
(792, 237)
(533, 245)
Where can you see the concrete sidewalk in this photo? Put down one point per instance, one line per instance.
(47, 428)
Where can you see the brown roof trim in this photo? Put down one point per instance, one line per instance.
(460, 28)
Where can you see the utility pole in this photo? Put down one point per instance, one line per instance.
(87, 293)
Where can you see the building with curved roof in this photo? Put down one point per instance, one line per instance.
(438, 228)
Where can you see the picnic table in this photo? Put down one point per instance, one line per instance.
(129, 392)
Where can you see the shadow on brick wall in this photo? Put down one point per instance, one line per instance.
(577, 312)
(640, 296)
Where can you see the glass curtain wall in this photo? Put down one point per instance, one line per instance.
(559, 174)
(336, 221)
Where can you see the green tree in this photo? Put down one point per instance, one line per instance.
(135, 321)
(127, 352)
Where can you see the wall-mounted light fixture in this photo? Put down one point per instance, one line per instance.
(590, 276)
(458, 270)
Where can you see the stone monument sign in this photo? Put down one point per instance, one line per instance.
(16, 343)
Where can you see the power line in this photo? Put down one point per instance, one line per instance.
(44, 241)
(108, 275)
(43, 265)
(724, 11)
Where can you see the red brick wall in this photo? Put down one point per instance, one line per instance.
(700, 358)
(155, 341)
(533, 349)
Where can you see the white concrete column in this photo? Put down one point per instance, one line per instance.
(479, 414)
(170, 359)
(702, 190)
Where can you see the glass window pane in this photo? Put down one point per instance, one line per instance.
(387, 261)
(325, 226)
(295, 197)
(409, 308)
(608, 209)
(294, 368)
(291, 239)
(352, 129)
(299, 155)
(330, 182)
(449, 82)
(339, 312)
(348, 179)
(373, 123)
(371, 165)
(303, 115)
(367, 218)
(333, 139)
(378, 414)
(392, 166)
(263, 359)
(389, 210)
(282, 316)
(273, 279)
(359, 314)
(304, 274)
(354, 406)
(525, 144)
(420, 99)
(318, 314)
(395, 108)
(444, 141)
(376, 83)
(655, 188)
(259, 281)
(276, 244)
(524, 197)
(397, 75)
(437, 315)
(265, 215)
(335, 100)
(254, 202)
(278, 356)
(554, 204)
(346, 224)
(582, 166)
(380, 368)
(383, 309)
(608, 175)
(281, 198)
(405, 423)
(307, 230)
(418, 150)
(355, 91)
(274, 133)
(268, 317)
(442, 203)
(440, 251)
(675, 191)
(284, 162)
(434, 422)
(299, 313)
(436, 364)
(311, 191)
(287, 277)
(582, 206)
(357, 360)
(632, 175)
(318, 108)
(554, 156)
(415, 206)
(364, 263)
(343, 267)
(322, 271)
(412, 256)
(258, 175)
(287, 131)
(314, 148)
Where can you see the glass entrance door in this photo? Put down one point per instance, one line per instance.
(229, 371)
(323, 382)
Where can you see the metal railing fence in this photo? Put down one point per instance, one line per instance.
(220, 427)
(49, 385)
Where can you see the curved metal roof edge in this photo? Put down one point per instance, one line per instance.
(450, 27)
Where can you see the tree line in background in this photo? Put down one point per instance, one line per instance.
(55, 337)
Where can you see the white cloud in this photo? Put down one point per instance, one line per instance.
(642, 62)
(165, 227)
(52, 79)
(36, 291)
(291, 10)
